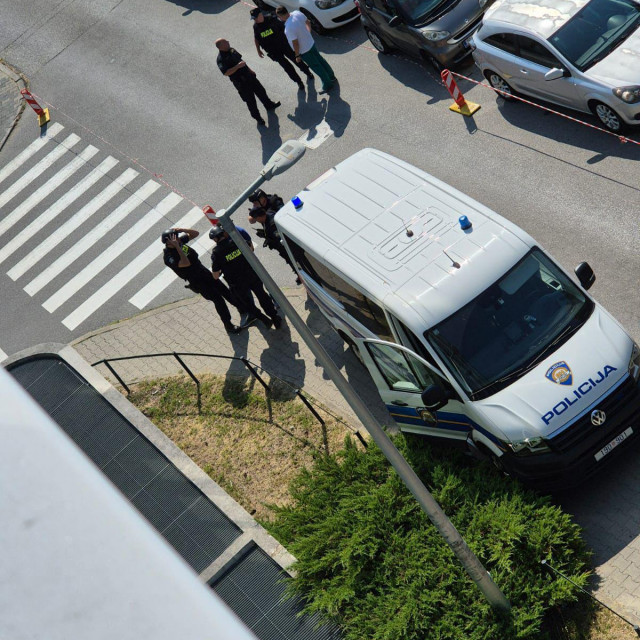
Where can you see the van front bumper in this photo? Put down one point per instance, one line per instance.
(572, 459)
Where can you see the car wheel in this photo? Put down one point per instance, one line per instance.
(379, 44)
(608, 117)
(499, 83)
(316, 25)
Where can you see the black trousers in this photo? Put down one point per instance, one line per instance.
(282, 252)
(281, 58)
(215, 291)
(249, 90)
(242, 292)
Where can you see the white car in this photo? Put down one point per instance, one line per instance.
(323, 14)
(581, 54)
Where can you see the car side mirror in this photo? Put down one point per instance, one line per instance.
(434, 397)
(585, 275)
(555, 73)
(395, 21)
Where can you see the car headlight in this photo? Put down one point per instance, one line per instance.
(434, 36)
(634, 362)
(529, 446)
(627, 94)
(327, 4)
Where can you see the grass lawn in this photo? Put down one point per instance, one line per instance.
(254, 448)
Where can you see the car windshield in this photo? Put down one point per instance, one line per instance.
(417, 11)
(596, 30)
(504, 332)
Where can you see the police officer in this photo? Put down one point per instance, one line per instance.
(183, 260)
(271, 202)
(227, 260)
(268, 34)
(232, 65)
(271, 235)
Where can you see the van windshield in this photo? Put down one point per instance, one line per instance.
(504, 332)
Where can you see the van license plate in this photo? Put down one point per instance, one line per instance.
(613, 444)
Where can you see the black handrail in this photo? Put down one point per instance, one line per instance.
(252, 367)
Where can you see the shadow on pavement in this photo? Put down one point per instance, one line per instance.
(270, 137)
(342, 39)
(203, 6)
(415, 75)
(280, 355)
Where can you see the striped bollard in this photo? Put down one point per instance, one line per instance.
(43, 114)
(211, 215)
(460, 105)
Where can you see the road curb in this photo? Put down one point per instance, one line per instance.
(19, 79)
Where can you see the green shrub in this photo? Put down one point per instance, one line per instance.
(369, 556)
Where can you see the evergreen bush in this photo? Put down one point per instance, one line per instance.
(368, 555)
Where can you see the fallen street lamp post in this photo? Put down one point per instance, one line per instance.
(285, 157)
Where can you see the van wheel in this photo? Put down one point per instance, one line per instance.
(608, 117)
(351, 345)
(499, 83)
(379, 44)
(316, 25)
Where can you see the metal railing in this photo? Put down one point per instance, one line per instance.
(253, 369)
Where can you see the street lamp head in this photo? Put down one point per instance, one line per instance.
(284, 157)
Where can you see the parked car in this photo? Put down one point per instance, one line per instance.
(323, 14)
(584, 55)
(436, 31)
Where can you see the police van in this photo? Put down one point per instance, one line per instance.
(469, 329)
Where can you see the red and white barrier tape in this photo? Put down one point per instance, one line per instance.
(622, 139)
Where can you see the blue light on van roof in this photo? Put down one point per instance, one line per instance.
(297, 203)
(465, 223)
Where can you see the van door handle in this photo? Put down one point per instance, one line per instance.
(399, 403)
(524, 71)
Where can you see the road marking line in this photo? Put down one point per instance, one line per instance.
(3, 356)
(87, 241)
(323, 133)
(154, 288)
(56, 208)
(32, 149)
(109, 255)
(36, 170)
(47, 188)
(116, 283)
(72, 224)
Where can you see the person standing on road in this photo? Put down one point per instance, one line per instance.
(227, 260)
(232, 65)
(268, 34)
(297, 29)
(183, 260)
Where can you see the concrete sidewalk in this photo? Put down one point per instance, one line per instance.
(11, 101)
(192, 325)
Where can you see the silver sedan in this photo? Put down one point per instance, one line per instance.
(582, 54)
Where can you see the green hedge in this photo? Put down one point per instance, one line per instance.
(369, 556)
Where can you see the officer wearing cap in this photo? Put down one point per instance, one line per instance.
(271, 202)
(227, 260)
(183, 260)
(268, 34)
(271, 235)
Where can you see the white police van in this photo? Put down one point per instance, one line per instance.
(470, 330)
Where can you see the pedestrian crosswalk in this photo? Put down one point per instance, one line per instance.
(78, 229)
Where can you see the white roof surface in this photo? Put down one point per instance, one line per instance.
(393, 230)
(543, 17)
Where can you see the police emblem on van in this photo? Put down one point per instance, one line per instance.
(560, 373)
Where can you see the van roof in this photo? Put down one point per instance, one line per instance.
(543, 17)
(393, 230)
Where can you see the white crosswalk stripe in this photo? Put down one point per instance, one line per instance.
(31, 150)
(65, 226)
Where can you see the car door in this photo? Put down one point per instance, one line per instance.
(400, 376)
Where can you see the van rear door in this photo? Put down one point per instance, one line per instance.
(401, 376)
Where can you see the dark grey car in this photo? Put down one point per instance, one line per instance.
(436, 31)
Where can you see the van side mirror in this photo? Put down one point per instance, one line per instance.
(395, 21)
(585, 275)
(555, 73)
(434, 397)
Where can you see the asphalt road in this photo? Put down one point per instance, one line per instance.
(141, 74)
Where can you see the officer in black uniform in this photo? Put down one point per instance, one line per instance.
(271, 202)
(232, 65)
(268, 33)
(271, 235)
(183, 260)
(227, 260)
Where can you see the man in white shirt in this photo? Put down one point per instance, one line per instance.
(297, 28)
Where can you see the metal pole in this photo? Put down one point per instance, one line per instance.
(469, 561)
